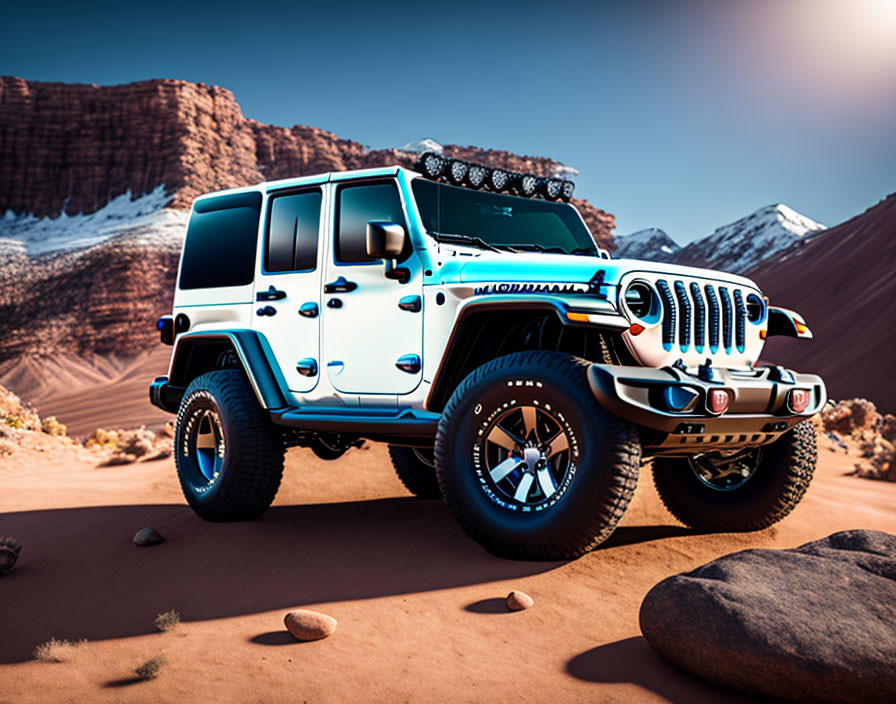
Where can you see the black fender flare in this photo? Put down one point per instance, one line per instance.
(605, 317)
(252, 351)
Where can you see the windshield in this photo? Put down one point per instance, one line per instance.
(501, 220)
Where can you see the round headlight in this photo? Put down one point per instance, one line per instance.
(639, 297)
(553, 187)
(430, 165)
(498, 179)
(527, 185)
(755, 308)
(476, 176)
(456, 171)
(568, 188)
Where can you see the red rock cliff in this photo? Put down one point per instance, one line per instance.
(72, 148)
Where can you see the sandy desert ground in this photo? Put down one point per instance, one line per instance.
(420, 608)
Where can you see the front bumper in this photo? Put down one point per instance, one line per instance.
(758, 412)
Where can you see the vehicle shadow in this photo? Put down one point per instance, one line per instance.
(80, 576)
(632, 660)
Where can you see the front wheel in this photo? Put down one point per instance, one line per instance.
(229, 456)
(529, 464)
(743, 491)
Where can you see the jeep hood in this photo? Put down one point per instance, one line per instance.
(492, 267)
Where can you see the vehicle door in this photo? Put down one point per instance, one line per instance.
(287, 292)
(372, 325)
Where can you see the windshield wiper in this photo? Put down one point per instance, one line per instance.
(464, 239)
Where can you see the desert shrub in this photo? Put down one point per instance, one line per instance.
(167, 621)
(847, 417)
(151, 668)
(56, 650)
(51, 426)
(130, 445)
(15, 414)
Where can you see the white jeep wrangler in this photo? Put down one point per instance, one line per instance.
(465, 316)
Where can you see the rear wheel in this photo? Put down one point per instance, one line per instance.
(416, 468)
(529, 464)
(229, 456)
(742, 491)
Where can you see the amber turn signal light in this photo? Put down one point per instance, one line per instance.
(636, 328)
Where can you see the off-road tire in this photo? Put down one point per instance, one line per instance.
(252, 462)
(779, 481)
(417, 475)
(603, 476)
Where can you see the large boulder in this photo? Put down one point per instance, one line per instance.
(816, 623)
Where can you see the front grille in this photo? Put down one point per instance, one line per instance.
(695, 316)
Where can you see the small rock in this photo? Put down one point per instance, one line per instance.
(309, 625)
(147, 537)
(519, 601)
(9, 553)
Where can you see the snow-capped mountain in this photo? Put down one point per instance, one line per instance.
(418, 146)
(652, 244)
(743, 244)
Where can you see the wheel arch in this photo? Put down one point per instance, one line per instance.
(483, 328)
(199, 352)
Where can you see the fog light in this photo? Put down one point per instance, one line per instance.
(636, 329)
(553, 187)
(430, 165)
(567, 190)
(679, 398)
(718, 401)
(798, 400)
(527, 185)
(456, 171)
(476, 176)
(498, 179)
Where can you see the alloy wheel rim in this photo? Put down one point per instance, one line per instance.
(527, 456)
(208, 445)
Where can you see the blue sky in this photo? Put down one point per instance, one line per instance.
(682, 115)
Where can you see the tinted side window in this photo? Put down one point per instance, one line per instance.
(220, 246)
(358, 205)
(293, 227)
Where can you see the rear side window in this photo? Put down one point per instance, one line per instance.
(358, 205)
(221, 238)
(293, 228)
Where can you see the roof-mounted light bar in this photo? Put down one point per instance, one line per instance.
(458, 172)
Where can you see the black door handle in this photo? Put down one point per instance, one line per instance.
(271, 294)
(334, 303)
(412, 304)
(308, 310)
(340, 285)
(267, 310)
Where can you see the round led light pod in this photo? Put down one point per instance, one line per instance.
(476, 176)
(430, 165)
(553, 187)
(456, 171)
(498, 180)
(527, 185)
(567, 190)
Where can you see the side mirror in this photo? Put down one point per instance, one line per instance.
(388, 240)
(385, 240)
